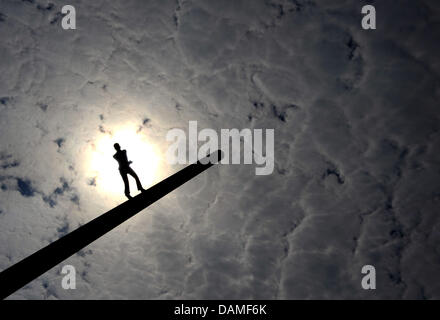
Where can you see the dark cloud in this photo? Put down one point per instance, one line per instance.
(75, 199)
(336, 173)
(50, 201)
(63, 230)
(52, 198)
(5, 100)
(56, 18)
(7, 161)
(92, 182)
(48, 7)
(43, 106)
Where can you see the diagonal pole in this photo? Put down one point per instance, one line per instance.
(48, 257)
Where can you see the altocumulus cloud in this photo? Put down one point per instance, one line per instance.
(356, 121)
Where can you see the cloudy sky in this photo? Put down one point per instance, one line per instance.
(357, 140)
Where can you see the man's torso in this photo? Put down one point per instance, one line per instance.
(121, 157)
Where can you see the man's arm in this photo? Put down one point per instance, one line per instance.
(126, 158)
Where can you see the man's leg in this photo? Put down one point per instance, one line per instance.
(127, 186)
(134, 175)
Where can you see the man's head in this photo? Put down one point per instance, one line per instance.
(117, 146)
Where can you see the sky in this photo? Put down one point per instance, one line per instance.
(356, 123)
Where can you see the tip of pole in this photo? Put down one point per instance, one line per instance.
(213, 158)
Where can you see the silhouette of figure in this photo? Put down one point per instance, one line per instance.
(125, 170)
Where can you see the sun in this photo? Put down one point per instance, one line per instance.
(103, 169)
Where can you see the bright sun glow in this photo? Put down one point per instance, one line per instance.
(105, 169)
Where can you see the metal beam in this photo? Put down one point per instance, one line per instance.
(48, 257)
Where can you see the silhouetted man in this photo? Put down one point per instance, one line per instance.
(124, 169)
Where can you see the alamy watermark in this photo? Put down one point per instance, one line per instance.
(369, 20)
(369, 280)
(185, 150)
(69, 19)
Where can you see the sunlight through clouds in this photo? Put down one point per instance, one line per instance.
(104, 168)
